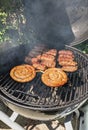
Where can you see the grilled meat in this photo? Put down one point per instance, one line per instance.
(39, 66)
(54, 77)
(52, 52)
(69, 68)
(65, 52)
(49, 64)
(60, 59)
(68, 63)
(66, 56)
(23, 73)
(47, 57)
(33, 60)
(66, 60)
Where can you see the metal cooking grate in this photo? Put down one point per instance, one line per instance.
(35, 94)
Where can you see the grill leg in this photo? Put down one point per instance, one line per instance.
(10, 121)
(68, 124)
(84, 119)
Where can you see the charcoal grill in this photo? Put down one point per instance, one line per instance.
(55, 23)
(35, 95)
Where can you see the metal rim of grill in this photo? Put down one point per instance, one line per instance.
(35, 95)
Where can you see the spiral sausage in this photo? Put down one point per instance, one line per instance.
(54, 77)
(23, 73)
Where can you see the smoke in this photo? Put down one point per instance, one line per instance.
(11, 57)
(47, 22)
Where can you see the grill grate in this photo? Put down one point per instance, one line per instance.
(35, 94)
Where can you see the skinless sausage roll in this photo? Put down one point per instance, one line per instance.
(65, 52)
(23, 73)
(54, 77)
(69, 68)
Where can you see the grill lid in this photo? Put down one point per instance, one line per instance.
(35, 95)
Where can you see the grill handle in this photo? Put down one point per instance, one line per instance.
(69, 110)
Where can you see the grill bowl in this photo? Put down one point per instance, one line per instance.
(36, 96)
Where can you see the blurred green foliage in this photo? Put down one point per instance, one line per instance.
(3, 17)
(11, 16)
(83, 47)
(10, 5)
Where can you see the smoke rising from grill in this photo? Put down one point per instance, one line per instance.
(47, 22)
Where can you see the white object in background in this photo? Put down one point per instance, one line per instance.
(13, 116)
(68, 125)
(84, 119)
(68, 122)
(4, 118)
